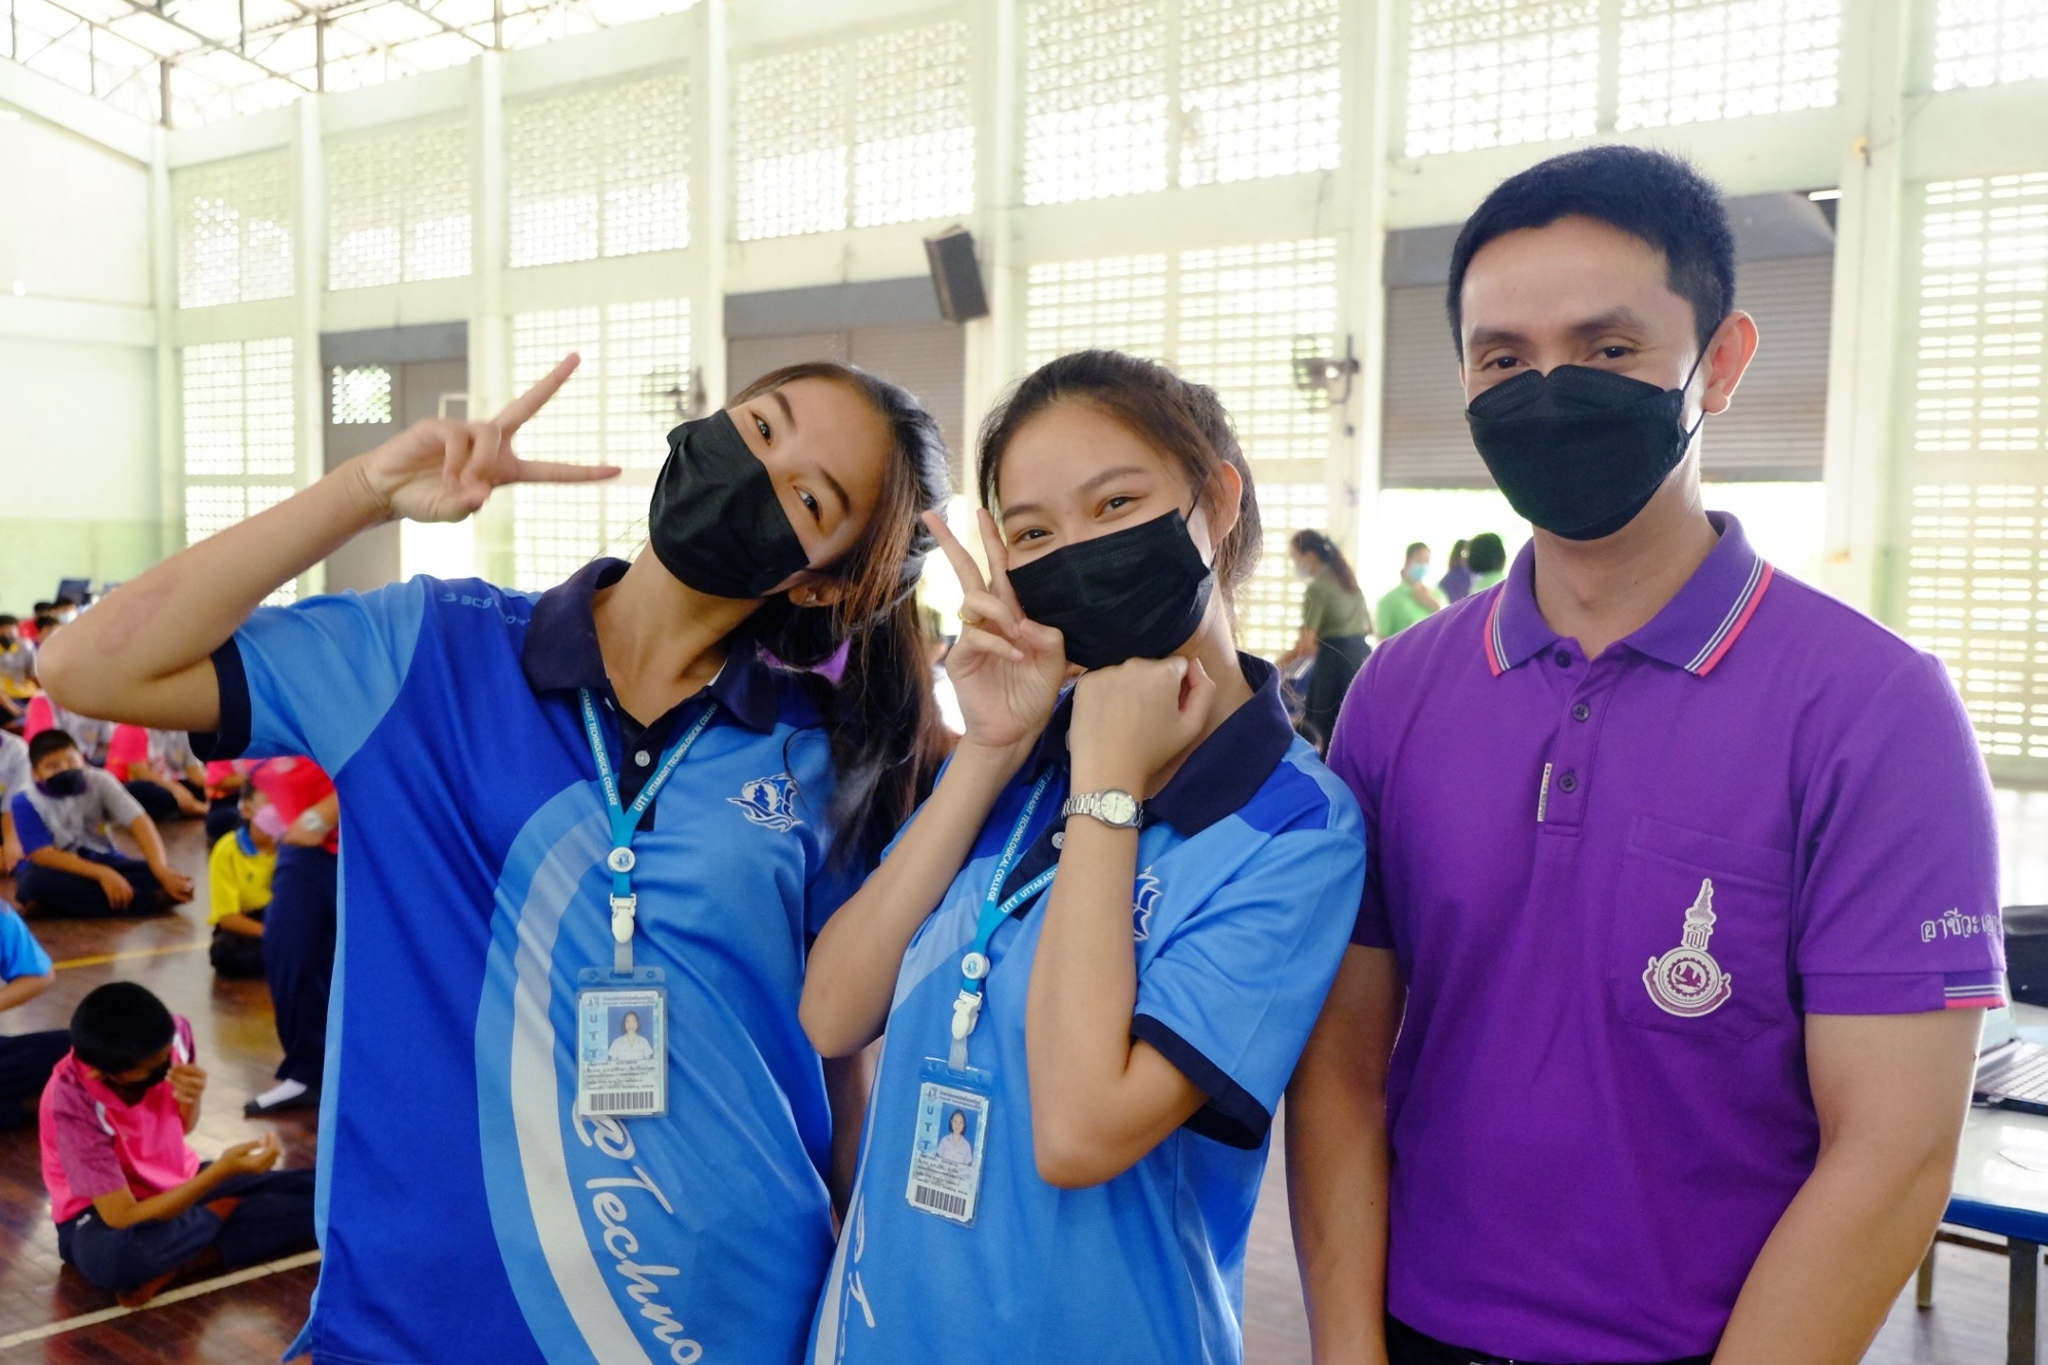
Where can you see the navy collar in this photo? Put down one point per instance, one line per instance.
(1224, 772)
(562, 655)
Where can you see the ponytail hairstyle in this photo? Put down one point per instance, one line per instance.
(886, 737)
(1319, 546)
(1181, 420)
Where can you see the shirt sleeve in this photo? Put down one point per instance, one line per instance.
(85, 1149)
(319, 676)
(20, 954)
(1897, 902)
(1315, 606)
(1231, 997)
(130, 746)
(29, 827)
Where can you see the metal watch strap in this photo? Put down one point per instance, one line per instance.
(1092, 804)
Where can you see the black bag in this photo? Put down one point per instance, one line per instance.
(2026, 952)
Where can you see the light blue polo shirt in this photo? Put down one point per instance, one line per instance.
(466, 1213)
(1250, 866)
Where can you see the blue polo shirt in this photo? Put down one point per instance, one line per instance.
(465, 1211)
(1249, 870)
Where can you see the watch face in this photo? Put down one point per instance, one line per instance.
(1119, 808)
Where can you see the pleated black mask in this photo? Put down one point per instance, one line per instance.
(1132, 594)
(715, 521)
(1579, 451)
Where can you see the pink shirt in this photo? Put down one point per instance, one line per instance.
(95, 1144)
(130, 746)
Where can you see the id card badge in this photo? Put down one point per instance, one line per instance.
(950, 1141)
(621, 1043)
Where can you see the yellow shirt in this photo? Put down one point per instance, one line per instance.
(239, 877)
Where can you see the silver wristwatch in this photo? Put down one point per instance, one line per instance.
(1117, 809)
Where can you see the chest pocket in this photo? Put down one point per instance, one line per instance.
(1699, 943)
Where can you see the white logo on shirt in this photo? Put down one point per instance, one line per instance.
(1143, 902)
(1687, 981)
(769, 802)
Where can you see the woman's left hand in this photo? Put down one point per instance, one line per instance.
(1132, 719)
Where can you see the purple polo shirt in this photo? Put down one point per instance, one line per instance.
(1614, 889)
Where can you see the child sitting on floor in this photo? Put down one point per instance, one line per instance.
(159, 770)
(238, 875)
(69, 867)
(134, 1205)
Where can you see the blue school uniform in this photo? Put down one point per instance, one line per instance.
(1250, 866)
(466, 1211)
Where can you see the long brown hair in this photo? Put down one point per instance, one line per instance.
(886, 737)
(1181, 420)
(1319, 546)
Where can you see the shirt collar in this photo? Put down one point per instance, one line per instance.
(1224, 772)
(561, 652)
(1693, 632)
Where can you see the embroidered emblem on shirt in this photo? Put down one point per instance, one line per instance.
(1143, 903)
(769, 802)
(1687, 981)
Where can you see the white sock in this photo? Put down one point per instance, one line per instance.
(279, 1093)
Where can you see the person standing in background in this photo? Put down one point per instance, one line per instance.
(1412, 601)
(1333, 628)
(1457, 580)
(1488, 559)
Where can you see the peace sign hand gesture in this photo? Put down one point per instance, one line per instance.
(1006, 668)
(443, 470)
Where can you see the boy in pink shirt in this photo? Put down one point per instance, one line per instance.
(134, 1205)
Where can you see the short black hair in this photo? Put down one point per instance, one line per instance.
(1651, 195)
(1410, 552)
(7, 620)
(49, 742)
(43, 608)
(119, 1026)
(1487, 554)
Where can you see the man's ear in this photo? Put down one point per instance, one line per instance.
(1729, 352)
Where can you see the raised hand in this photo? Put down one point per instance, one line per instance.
(1132, 719)
(1006, 668)
(443, 470)
(188, 1083)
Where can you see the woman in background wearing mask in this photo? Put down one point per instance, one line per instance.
(561, 805)
(1104, 938)
(1412, 601)
(1334, 622)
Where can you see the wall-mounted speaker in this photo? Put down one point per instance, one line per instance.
(956, 275)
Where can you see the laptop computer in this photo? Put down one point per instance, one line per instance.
(2011, 1074)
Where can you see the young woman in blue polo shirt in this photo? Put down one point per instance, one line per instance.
(562, 811)
(1101, 943)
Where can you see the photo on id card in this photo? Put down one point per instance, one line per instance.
(621, 1056)
(947, 1148)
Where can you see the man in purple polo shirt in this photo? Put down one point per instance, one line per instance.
(1684, 872)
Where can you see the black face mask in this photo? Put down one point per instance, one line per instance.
(715, 522)
(1132, 594)
(134, 1092)
(1579, 452)
(70, 782)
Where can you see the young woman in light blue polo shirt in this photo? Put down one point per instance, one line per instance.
(1100, 945)
(590, 814)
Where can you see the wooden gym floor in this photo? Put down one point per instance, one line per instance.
(47, 1313)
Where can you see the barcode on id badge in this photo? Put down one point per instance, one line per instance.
(619, 1101)
(952, 1205)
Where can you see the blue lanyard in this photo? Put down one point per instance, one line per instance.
(625, 819)
(995, 908)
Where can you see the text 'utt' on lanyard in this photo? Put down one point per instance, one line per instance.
(995, 908)
(625, 819)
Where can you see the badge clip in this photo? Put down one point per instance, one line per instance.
(623, 909)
